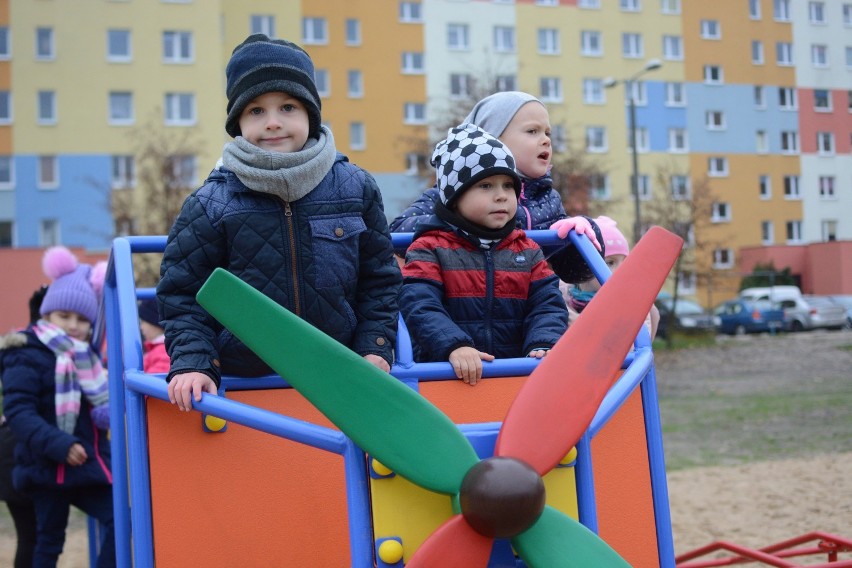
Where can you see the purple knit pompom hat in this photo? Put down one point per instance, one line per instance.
(75, 288)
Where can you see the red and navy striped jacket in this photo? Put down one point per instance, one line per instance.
(504, 301)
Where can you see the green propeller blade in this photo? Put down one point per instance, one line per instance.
(380, 414)
(558, 541)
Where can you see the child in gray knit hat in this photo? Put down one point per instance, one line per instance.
(475, 287)
(522, 122)
(287, 214)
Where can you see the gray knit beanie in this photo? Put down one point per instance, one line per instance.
(494, 113)
(467, 155)
(261, 65)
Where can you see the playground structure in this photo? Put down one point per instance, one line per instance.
(258, 476)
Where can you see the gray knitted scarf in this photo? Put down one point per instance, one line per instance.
(289, 176)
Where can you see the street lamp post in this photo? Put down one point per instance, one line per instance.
(609, 82)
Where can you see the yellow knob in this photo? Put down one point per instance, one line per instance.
(571, 456)
(390, 551)
(380, 468)
(213, 423)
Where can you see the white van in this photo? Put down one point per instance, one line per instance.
(773, 293)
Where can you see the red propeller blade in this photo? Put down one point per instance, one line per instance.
(560, 398)
(453, 545)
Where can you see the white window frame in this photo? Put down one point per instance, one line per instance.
(357, 136)
(717, 166)
(792, 188)
(764, 187)
(322, 80)
(720, 212)
(7, 173)
(352, 30)
(754, 9)
(45, 44)
(548, 41)
(825, 143)
(794, 232)
(506, 83)
(781, 10)
(819, 55)
(822, 95)
(600, 187)
(593, 91)
(757, 56)
(121, 111)
(759, 95)
(670, 6)
(687, 282)
(314, 31)
(632, 45)
(413, 63)
(711, 29)
(639, 92)
(262, 24)
(6, 114)
(178, 47)
(788, 99)
(410, 12)
(678, 141)
(715, 120)
(767, 232)
(784, 53)
(630, 5)
(550, 89)
(591, 43)
(49, 233)
(675, 94)
(643, 140)
(355, 84)
(461, 85)
(723, 258)
(122, 172)
(184, 170)
(672, 48)
(174, 106)
(644, 187)
(46, 108)
(596, 140)
(680, 187)
(827, 187)
(49, 164)
(816, 13)
(120, 36)
(761, 142)
(828, 230)
(458, 37)
(589, 4)
(847, 14)
(789, 142)
(504, 39)
(713, 75)
(5, 43)
(414, 113)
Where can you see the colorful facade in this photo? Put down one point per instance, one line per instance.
(751, 99)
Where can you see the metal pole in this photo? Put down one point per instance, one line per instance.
(637, 225)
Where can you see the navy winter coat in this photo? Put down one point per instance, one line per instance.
(27, 368)
(326, 257)
(505, 301)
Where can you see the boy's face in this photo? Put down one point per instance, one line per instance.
(276, 122)
(491, 202)
(72, 323)
(528, 137)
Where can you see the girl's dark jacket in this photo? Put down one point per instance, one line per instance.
(27, 368)
(505, 301)
(326, 257)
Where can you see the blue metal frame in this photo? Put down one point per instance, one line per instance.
(129, 386)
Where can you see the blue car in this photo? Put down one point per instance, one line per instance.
(738, 317)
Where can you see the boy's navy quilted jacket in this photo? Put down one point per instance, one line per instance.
(326, 257)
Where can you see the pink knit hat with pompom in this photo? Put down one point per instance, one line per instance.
(75, 288)
(614, 241)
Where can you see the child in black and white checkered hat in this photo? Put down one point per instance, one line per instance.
(475, 287)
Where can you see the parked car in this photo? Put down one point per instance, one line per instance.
(812, 312)
(772, 293)
(688, 317)
(845, 300)
(739, 316)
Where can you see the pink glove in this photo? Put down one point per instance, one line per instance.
(580, 225)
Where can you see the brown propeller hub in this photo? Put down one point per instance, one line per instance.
(501, 497)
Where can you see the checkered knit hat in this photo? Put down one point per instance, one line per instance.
(261, 65)
(467, 155)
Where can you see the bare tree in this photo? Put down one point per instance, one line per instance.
(685, 208)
